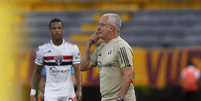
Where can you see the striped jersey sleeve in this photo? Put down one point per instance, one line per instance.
(76, 55)
(125, 55)
(39, 56)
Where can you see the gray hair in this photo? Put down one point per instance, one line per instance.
(114, 20)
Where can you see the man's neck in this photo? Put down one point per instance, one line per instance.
(113, 36)
(57, 42)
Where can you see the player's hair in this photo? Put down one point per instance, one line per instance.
(114, 20)
(190, 63)
(55, 20)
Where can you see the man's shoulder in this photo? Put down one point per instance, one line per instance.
(69, 43)
(121, 42)
(45, 44)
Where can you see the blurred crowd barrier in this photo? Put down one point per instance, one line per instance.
(156, 71)
(151, 67)
(155, 68)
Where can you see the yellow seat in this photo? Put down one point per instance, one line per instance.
(81, 39)
(61, 6)
(120, 6)
(134, 0)
(24, 1)
(82, 47)
(89, 27)
(171, 5)
(72, 5)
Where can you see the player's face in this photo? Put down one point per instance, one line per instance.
(104, 28)
(56, 31)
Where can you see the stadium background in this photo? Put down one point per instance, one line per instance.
(164, 35)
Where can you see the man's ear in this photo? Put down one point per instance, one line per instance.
(112, 28)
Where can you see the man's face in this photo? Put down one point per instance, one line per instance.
(104, 28)
(56, 30)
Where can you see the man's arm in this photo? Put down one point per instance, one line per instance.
(128, 75)
(85, 60)
(41, 87)
(35, 80)
(36, 76)
(78, 78)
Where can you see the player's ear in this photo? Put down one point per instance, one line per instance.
(49, 30)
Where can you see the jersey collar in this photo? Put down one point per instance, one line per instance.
(55, 45)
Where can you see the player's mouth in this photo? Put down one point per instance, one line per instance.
(57, 34)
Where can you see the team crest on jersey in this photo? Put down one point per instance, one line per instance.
(58, 59)
(109, 52)
(37, 49)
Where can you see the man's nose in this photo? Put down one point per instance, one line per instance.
(57, 29)
(98, 28)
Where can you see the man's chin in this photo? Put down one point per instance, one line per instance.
(58, 39)
(101, 37)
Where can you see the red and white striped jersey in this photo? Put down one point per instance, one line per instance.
(58, 61)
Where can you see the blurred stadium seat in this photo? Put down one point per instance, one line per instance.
(167, 23)
(152, 28)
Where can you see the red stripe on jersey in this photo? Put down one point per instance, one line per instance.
(67, 57)
(132, 82)
(52, 57)
(49, 58)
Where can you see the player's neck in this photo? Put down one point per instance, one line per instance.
(57, 42)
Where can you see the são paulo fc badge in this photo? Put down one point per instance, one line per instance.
(109, 52)
(58, 59)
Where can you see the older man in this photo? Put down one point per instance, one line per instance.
(113, 58)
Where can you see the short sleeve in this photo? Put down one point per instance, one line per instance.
(43, 73)
(125, 55)
(76, 55)
(39, 56)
